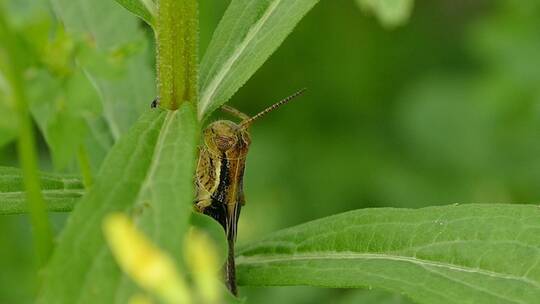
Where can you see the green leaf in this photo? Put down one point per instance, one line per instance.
(103, 21)
(125, 82)
(146, 10)
(355, 296)
(452, 254)
(96, 80)
(391, 13)
(148, 174)
(60, 192)
(113, 53)
(98, 143)
(62, 108)
(250, 31)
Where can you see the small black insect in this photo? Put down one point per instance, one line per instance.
(155, 103)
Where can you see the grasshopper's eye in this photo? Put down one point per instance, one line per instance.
(224, 143)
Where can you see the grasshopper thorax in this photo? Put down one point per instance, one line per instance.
(225, 138)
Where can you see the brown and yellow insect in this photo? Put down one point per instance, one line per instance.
(220, 175)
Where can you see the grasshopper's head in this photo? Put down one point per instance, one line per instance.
(233, 140)
(226, 137)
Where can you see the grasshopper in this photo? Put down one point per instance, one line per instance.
(220, 175)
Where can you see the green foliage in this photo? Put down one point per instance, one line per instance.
(60, 192)
(148, 175)
(61, 108)
(12, 67)
(397, 117)
(434, 255)
(88, 82)
(72, 112)
(145, 9)
(249, 32)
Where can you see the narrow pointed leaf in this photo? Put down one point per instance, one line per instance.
(148, 174)
(250, 31)
(137, 7)
(453, 254)
(60, 192)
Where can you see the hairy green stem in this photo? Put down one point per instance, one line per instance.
(177, 47)
(63, 202)
(41, 227)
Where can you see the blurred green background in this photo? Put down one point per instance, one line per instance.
(445, 109)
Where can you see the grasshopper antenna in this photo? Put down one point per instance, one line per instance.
(246, 123)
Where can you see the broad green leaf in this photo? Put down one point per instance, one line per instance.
(250, 31)
(391, 13)
(145, 9)
(452, 254)
(148, 174)
(60, 192)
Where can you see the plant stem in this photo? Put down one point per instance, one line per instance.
(26, 144)
(177, 29)
(18, 205)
